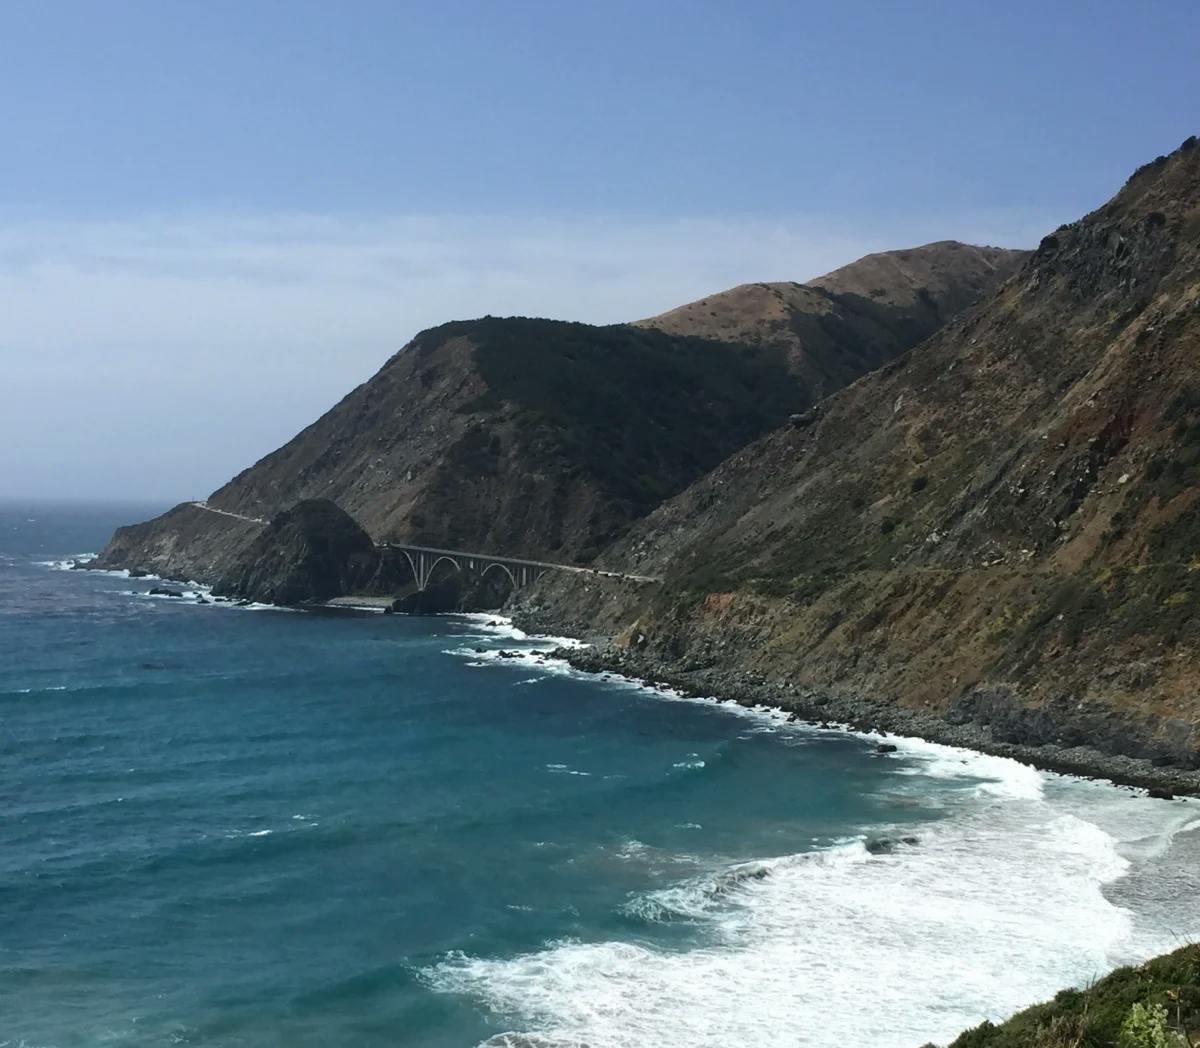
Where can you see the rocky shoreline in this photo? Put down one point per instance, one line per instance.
(830, 710)
(827, 708)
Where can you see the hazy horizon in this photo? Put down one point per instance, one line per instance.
(215, 223)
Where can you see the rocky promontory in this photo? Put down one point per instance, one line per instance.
(309, 553)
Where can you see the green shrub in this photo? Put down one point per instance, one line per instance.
(1146, 1026)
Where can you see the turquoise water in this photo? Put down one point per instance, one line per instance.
(231, 826)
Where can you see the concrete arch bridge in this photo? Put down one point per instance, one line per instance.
(425, 560)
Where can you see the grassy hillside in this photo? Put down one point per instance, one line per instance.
(838, 327)
(1154, 1005)
(638, 410)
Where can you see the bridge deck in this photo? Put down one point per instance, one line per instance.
(519, 561)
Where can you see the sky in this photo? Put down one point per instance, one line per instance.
(217, 218)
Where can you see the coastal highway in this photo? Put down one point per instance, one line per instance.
(578, 569)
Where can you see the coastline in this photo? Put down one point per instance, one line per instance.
(1016, 793)
(818, 708)
(821, 709)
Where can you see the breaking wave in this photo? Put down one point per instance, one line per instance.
(1000, 904)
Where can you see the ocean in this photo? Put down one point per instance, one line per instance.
(247, 826)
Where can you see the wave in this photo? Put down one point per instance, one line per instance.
(74, 562)
(197, 594)
(992, 909)
(501, 627)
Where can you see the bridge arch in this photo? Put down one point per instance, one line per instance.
(502, 567)
(412, 564)
(433, 567)
(424, 560)
(424, 564)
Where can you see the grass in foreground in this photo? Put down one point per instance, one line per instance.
(1153, 1005)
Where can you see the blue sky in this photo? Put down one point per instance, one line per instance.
(216, 218)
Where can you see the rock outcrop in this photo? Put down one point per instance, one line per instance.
(307, 554)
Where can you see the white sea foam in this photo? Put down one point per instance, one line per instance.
(68, 563)
(1002, 776)
(196, 594)
(995, 908)
(999, 905)
(501, 627)
(992, 909)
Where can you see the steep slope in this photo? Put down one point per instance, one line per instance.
(999, 527)
(545, 438)
(838, 327)
(525, 436)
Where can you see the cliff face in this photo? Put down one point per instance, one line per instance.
(999, 527)
(549, 439)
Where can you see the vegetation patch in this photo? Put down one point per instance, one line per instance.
(641, 412)
(1154, 1005)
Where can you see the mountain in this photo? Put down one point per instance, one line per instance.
(549, 439)
(999, 528)
(838, 327)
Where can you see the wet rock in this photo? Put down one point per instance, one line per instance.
(888, 845)
(162, 591)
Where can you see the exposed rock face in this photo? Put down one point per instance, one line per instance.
(999, 527)
(548, 439)
(308, 553)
